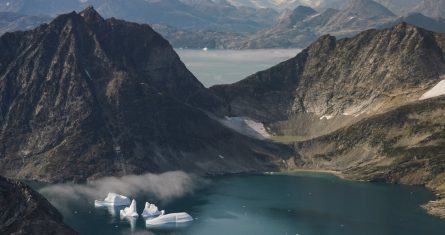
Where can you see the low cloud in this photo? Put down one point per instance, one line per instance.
(164, 187)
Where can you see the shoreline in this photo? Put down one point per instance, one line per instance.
(338, 174)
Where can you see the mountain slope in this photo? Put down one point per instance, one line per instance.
(26, 212)
(357, 16)
(87, 97)
(405, 145)
(434, 8)
(368, 73)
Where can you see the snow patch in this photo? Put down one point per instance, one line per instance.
(437, 90)
(327, 117)
(246, 126)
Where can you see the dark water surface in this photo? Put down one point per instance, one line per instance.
(304, 204)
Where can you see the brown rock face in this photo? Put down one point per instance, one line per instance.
(24, 211)
(367, 74)
(86, 97)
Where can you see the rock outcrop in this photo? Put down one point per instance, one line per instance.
(24, 211)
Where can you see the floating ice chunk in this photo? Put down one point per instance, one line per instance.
(173, 218)
(113, 199)
(150, 210)
(437, 90)
(130, 211)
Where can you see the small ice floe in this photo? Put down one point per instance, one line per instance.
(130, 211)
(151, 210)
(113, 199)
(169, 219)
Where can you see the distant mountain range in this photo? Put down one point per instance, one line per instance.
(10, 21)
(236, 24)
(191, 14)
(300, 27)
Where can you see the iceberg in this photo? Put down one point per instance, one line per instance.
(151, 210)
(130, 211)
(113, 199)
(168, 219)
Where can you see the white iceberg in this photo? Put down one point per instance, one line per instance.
(113, 199)
(130, 211)
(150, 210)
(173, 218)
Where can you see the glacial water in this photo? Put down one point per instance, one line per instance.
(303, 204)
(214, 67)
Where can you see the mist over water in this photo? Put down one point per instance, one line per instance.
(214, 67)
(163, 187)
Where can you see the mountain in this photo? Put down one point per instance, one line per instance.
(26, 212)
(357, 16)
(373, 60)
(298, 14)
(422, 21)
(304, 25)
(290, 4)
(225, 14)
(433, 8)
(185, 14)
(352, 105)
(198, 39)
(400, 7)
(83, 97)
(10, 22)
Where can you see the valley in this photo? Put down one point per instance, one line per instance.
(86, 99)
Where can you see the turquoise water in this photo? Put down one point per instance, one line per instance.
(227, 66)
(304, 204)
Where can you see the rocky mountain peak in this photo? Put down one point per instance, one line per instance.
(289, 18)
(87, 97)
(91, 15)
(368, 8)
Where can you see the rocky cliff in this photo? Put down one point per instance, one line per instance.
(24, 211)
(85, 97)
